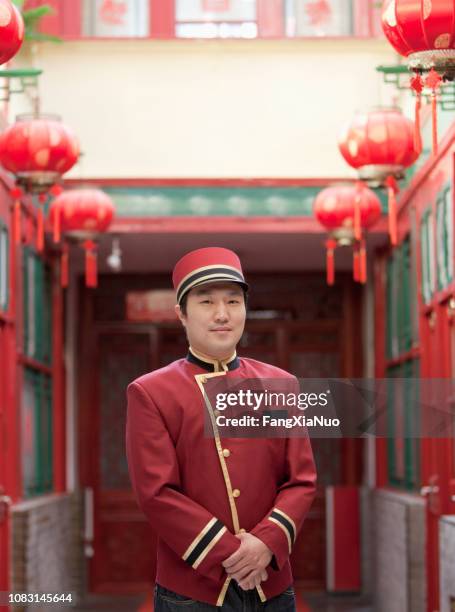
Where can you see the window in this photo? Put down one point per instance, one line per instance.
(444, 237)
(216, 19)
(36, 448)
(36, 409)
(241, 19)
(115, 18)
(319, 18)
(4, 264)
(37, 308)
(403, 418)
(427, 256)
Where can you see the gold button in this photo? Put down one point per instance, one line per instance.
(226, 452)
(235, 492)
(216, 412)
(203, 379)
(242, 530)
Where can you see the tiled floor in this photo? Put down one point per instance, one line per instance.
(339, 603)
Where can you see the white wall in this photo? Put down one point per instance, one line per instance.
(211, 108)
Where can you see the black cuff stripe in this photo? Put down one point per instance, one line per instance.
(279, 517)
(211, 533)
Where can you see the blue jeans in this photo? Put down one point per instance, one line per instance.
(236, 600)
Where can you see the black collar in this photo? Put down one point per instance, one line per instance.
(213, 365)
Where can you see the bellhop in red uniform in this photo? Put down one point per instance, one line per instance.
(202, 495)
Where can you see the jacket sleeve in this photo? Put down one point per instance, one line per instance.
(279, 528)
(197, 536)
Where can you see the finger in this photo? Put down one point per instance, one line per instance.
(245, 585)
(234, 558)
(242, 574)
(264, 576)
(249, 582)
(237, 567)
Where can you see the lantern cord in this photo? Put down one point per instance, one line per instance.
(363, 262)
(91, 272)
(357, 204)
(356, 264)
(392, 188)
(40, 230)
(434, 123)
(330, 260)
(64, 266)
(417, 86)
(433, 82)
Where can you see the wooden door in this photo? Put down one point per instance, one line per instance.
(123, 545)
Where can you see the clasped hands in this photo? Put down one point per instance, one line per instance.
(247, 564)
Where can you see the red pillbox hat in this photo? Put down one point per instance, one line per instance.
(208, 265)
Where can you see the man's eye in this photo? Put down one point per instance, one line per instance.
(205, 302)
(234, 301)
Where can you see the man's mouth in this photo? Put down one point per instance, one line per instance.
(221, 329)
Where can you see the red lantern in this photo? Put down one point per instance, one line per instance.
(380, 145)
(424, 32)
(38, 150)
(338, 209)
(11, 30)
(81, 214)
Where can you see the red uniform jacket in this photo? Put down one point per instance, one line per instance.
(198, 492)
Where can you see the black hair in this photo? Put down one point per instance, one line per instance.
(184, 300)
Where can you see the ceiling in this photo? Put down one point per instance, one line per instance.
(259, 252)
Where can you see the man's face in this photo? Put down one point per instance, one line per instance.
(215, 318)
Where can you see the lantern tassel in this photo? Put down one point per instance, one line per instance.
(433, 82)
(330, 260)
(434, 122)
(363, 262)
(417, 86)
(64, 266)
(356, 264)
(91, 271)
(16, 194)
(40, 229)
(392, 188)
(17, 222)
(357, 204)
(57, 224)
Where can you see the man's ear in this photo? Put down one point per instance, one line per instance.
(179, 313)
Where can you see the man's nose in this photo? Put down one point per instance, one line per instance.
(221, 312)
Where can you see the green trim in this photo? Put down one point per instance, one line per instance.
(40, 480)
(20, 73)
(37, 307)
(444, 236)
(427, 255)
(408, 373)
(217, 201)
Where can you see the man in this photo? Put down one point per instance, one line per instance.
(226, 511)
